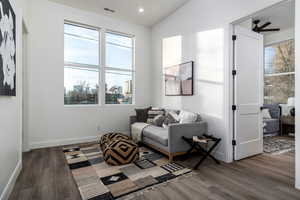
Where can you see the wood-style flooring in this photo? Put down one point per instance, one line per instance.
(46, 176)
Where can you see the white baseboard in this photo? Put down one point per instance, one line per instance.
(54, 143)
(11, 182)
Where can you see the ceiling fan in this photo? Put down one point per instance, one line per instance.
(263, 28)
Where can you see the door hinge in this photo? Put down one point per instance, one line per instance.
(233, 72)
(233, 107)
(233, 142)
(234, 37)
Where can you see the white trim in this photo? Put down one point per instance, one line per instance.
(54, 143)
(278, 42)
(71, 64)
(11, 182)
(279, 74)
(78, 24)
(230, 61)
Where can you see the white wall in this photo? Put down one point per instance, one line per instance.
(280, 36)
(203, 26)
(49, 122)
(297, 90)
(11, 117)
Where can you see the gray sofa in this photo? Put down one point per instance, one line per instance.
(169, 140)
(272, 126)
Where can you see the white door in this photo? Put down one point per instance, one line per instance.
(249, 57)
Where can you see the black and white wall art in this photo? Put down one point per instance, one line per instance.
(7, 49)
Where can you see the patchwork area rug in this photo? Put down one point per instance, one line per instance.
(278, 145)
(97, 180)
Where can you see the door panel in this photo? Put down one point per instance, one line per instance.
(249, 93)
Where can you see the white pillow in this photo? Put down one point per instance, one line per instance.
(174, 115)
(187, 117)
(266, 114)
(285, 109)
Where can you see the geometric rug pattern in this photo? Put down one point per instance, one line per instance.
(96, 180)
(278, 145)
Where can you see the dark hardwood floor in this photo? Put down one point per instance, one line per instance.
(46, 176)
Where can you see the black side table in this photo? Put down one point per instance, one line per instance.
(287, 125)
(195, 145)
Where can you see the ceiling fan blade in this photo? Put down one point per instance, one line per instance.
(256, 21)
(265, 25)
(269, 30)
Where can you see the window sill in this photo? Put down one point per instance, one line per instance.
(99, 105)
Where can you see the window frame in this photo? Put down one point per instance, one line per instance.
(102, 65)
(88, 66)
(278, 73)
(106, 68)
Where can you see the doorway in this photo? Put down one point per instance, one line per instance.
(264, 89)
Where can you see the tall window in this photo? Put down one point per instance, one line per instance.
(279, 72)
(119, 70)
(81, 69)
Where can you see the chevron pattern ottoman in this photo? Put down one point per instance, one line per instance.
(109, 137)
(118, 149)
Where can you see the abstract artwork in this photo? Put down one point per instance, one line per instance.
(7, 49)
(179, 80)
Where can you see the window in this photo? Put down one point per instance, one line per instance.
(119, 70)
(81, 68)
(279, 83)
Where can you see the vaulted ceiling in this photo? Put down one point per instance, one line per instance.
(154, 10)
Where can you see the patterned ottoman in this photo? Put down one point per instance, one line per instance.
(118, 149)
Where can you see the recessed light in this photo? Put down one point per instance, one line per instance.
(141, 10)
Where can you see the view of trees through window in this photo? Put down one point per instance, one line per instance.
(81, 71)
(279, 81)
(82, 66)
(119, 69)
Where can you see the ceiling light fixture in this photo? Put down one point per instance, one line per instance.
(141, 10)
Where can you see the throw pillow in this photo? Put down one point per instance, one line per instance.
(266, 114)
(142, 114)
(187, 117)
(174, 116)
(170, 118)
(158, 120)
(154, 112)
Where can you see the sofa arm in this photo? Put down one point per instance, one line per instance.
(176, 131)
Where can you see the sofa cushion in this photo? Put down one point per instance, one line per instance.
(157, 134)
(187, 117)
(271, 125)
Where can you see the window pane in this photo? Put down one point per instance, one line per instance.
(81, 85)
(81, 46)
(82, 32)
(119, 51)
(279, 88)
(118, 87)
(119, 39)
(280, 58)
